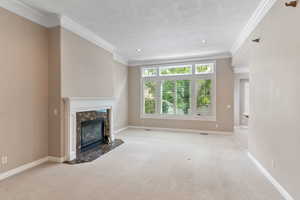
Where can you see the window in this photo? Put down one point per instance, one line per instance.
(168, 97)
(204, 68)
(148, 72)
(179, 92)
(149, 97)
(183, 100)
(204, 97)
(176, 97)
(175, 70)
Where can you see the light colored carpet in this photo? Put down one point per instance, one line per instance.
(151, 165)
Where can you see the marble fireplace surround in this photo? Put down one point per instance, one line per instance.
(82, 104)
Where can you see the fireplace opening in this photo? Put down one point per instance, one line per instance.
(92, 134)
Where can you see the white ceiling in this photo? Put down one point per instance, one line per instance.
(161, 28)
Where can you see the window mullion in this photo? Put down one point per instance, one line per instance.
(142, 105)
(154, 76)
(175, 96)
(194, 97)
(158, 97)
(193, 69)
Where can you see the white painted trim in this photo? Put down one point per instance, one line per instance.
(90, 98)
(120, 59)
(276, 184)
(22, 168)
(71, 25)
(121, 129)
(56, 159)
(179, 117)
(51, 20)
(151, 62)
(238, 128)
(237, 81)
(241, 70)
(193, 78)
(182, 130)
(85, 33)
(260, 12)
(32, 14)
(82, 104)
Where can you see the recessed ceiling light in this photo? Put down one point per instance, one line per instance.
(139, 50)
(204, 41)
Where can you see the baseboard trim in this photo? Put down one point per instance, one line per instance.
(56, 159)
(121, 129)
(183, 130)
(241, 127)
(22, 168)
(28, 166)
(265, 172)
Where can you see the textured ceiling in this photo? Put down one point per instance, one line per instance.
(161, 28)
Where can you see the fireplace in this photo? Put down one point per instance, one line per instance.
(92, 130)
(89, 128)
(92, 134)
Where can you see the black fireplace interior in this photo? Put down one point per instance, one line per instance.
(92, 133)
(92, 136)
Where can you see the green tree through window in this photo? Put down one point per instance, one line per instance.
(204, 95)
(183, 93)
(175, 70)
(168, 97)
(204, 68)
(149, 95)
(176, 97)
(186, 89)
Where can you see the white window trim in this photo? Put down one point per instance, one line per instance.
(142, 71)
(199, 73)
(173, 66)
(193, 77)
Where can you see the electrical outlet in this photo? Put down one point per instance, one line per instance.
(4, 160)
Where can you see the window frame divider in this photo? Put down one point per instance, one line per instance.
(193, 78)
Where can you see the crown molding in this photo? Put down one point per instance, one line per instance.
(260, 12)
(85, 33)
(241, 70)
(120, 59)
(92, 37)
(135, 63)
(45, 19)
(51, 20)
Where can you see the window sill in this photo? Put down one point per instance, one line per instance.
(178, 117)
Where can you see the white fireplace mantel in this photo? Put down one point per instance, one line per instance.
(82, 104)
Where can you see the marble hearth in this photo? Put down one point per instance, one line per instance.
(82, 110)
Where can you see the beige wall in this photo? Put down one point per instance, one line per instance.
(121, 95)
(237, 96)
(275, 98)
(87, 70)
(82, 69)
(39, 66)
(55, 137)
(90, 71)
(225, 82)
(23, 90)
